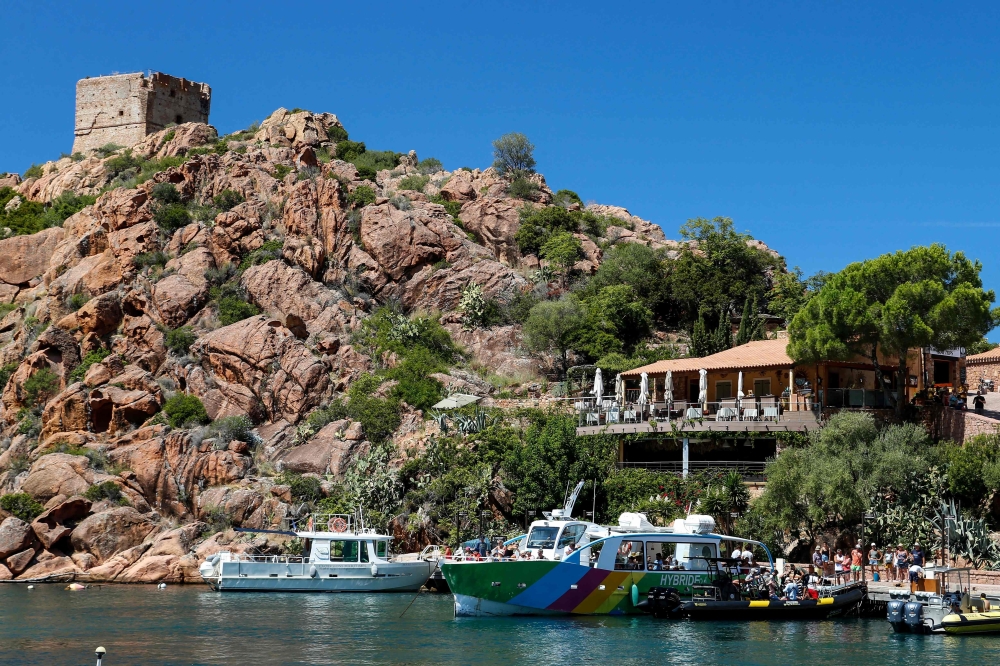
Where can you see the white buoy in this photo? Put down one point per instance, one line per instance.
(31, 587)
(161, 586)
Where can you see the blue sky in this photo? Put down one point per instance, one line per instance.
(832, 133)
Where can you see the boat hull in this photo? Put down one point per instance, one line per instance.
(807, 609)
(541, 587)
(268, 577)
(972, 623)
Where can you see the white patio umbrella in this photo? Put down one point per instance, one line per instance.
(598, 387)
(739, 386)
(644, 390)
(619, 389)
(668, 389)
(702, 387)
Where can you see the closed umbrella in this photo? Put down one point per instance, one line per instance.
(644, 391)
(619, 389)
(598, 387)
(668, 389)
(702, 387)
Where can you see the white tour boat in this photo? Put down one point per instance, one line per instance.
(342, 556)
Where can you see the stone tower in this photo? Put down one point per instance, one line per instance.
(124, 108)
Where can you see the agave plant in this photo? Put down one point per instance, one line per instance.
(478, 422)
(442, 421)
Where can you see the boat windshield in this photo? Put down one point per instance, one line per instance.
(542, 537)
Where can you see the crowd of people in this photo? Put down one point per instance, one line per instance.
(891, 564)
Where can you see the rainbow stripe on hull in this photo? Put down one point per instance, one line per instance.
(553, 587)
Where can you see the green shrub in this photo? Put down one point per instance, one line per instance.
(5, 373)
(415, 386)
(565, 198)
(303, 488)
(166, 193)
(361, 196)
(281, 170)
(231, 428)
(269, 251)
(513, 156)
(169, 136)
(453, 207)
(562, 249)
(179, 340)
(233, 309)
(34, 171)
(227, 200)
(172, 217)
(216, 519)
(76, 301)
(522, 188)
(156, 258)
(430, 165)
(21, 505)
(538, 225)
(349, 150)
(149, 168)
(108, 149)
(120, 164)
(66, 204)
(184, 409)
(337, 134)
(40, 387)
(415, 183)
(80, 371)
(379, 417)
(108, 490)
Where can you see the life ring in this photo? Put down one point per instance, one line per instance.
(337, 524)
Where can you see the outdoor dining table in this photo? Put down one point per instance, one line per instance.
(727, 414)
(693, 413)
(771, 413)
(750, 414)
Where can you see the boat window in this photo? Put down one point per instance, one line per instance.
(364, 550)
(380, 549)
(591, 554)
(661, 556)
(343, 551)
(571, 535)
(630, 556)
(542, 537)
(694, 555)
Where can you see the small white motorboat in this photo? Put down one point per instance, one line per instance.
(342, 556)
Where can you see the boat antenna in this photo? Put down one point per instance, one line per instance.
(566, 492)
(593, 513)
(568, 509)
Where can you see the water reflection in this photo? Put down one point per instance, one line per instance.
(140, 624)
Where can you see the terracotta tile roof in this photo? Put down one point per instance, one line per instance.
(992, 356)
(757, 354)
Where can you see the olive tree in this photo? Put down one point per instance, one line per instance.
(513, 156)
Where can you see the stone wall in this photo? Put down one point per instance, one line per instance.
(124, 108)
(975, 371)
(963, 425)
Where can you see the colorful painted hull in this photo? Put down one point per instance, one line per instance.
(972, 623)
(547, 587)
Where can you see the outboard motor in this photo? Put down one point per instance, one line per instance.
(913, 615)
(895, 615)
(661, 601)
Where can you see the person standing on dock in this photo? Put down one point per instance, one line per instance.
(901, 557)
(873, 557)
(856, 556)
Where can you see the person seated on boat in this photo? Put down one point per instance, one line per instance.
(791, 591)
(674, 564)
(984, 602)
(568, 550)
(812, 583)
(539, 555)
(658, 563)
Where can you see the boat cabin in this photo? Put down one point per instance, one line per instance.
(343, 541)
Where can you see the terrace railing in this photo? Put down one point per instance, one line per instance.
(765, 408)
(750, 470)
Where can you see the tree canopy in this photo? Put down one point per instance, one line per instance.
(921, 297)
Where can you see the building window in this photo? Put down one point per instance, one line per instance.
(723, 390)
(762, 387)
(178, 119)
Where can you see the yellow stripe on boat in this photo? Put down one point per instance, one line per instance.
(760, 604)
(824, 601)
(972, 623)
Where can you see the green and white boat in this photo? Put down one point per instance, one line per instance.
(674, 571)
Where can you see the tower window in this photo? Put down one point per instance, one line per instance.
(120, 113)
(173, 93)
(178, 119)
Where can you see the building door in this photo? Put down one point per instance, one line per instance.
(761, 387)
(942, 372)
(692, 390)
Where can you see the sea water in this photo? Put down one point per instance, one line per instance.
(192, 625)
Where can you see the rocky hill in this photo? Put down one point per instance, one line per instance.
(192, 344)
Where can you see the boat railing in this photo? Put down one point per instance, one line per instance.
(331, 522)
(268, 559)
